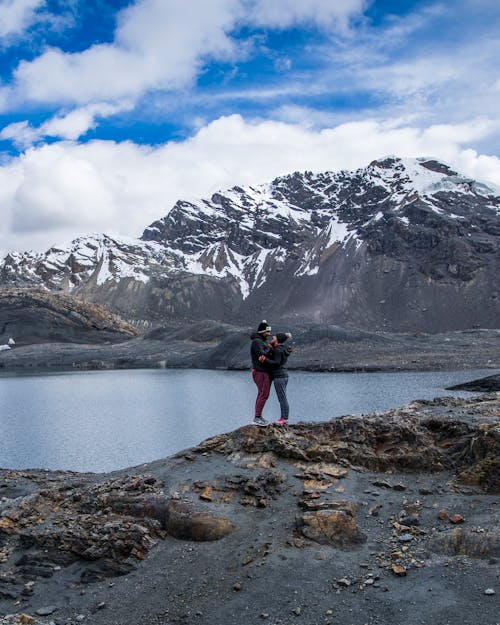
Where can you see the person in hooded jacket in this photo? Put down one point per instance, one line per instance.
(260, 349)
(275, 362)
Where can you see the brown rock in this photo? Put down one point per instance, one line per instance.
(181, 521)
(443, 515)
(456, 519)
(398, 570)
(206, 494)
(337, 528)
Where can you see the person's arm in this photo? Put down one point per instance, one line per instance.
(273, 362)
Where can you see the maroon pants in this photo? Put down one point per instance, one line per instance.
(263, 381)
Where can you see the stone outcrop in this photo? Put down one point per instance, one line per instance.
(32, 316)
(422, 436)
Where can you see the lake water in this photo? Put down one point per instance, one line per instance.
(105, 420)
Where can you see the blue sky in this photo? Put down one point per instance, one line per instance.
(110, 110)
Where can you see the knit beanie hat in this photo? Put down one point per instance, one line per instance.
(263, 327)
(283, 336)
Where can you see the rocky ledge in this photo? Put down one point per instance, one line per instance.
(379, 518)
(30, 316)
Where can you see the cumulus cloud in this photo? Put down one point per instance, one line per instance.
(17, 15)
(162, 45)
(158, 45)
(54, 192)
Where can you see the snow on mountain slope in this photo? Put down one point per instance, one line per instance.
(247, 240)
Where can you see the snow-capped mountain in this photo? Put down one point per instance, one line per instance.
(403, 244)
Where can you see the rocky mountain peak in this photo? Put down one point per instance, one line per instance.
(377, 247)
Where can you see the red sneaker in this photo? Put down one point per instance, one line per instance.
(281, 422)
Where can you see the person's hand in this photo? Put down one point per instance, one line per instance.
(262, 358)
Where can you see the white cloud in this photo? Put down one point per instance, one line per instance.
(328, 14)
(17, 15)
(70, 126)
(22, 134)
(162, 45)
(158, 45)
(55, 192)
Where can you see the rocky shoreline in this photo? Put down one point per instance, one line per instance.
(380, 518)
(210, 345)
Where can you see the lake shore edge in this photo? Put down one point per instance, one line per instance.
(316, 348)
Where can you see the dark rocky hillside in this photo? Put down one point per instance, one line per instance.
(30, 317)
(401, 245)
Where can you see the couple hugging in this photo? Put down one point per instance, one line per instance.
(269, 365)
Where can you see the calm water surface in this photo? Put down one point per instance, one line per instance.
(105, 420)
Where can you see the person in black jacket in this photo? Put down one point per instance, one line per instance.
(276, 365)
(259, 348)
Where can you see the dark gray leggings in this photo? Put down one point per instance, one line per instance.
(280, 388)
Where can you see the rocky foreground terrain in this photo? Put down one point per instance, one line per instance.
(379, 518)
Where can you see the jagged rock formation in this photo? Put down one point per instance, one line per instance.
(418, 437)
(30, 316)
(394, 246)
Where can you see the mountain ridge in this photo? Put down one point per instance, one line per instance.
(390, 247)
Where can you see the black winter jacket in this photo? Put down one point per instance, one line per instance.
(258, 348)
(275, 362)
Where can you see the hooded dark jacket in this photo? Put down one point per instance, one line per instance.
(258, 348)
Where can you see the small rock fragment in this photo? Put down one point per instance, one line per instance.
(443, 515)
(489, 591)
(456, 519)
(398, 570)
(237, 586)
(46, 611)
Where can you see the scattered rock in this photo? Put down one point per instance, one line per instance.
(47, 611)
(456, 519)
(489, 591)
(398, 570)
